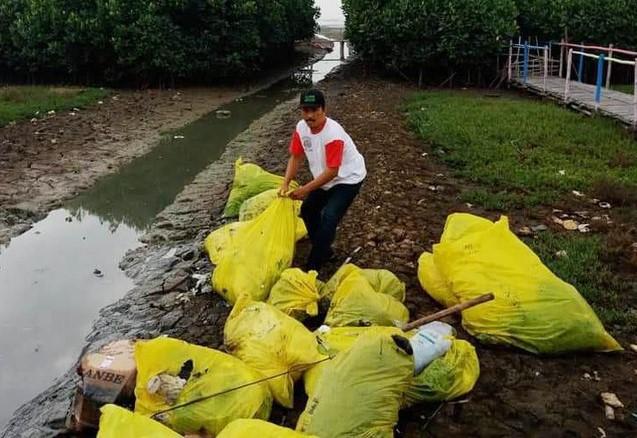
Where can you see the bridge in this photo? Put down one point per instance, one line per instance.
(539, 69)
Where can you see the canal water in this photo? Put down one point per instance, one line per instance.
(55, 277)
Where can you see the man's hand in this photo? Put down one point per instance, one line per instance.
(284, 189)
(300, 194)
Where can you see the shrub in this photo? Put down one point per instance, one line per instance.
(412, 33)
(149, 41)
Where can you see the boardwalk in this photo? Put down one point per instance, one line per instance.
(613, 103)
(533, 68)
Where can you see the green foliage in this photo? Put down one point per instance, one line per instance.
(600, 22)
(408, 33)
(23, 102)
(522, 153)
(149, 41)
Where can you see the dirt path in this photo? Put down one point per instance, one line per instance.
(396, 217)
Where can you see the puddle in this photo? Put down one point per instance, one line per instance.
(50, 292)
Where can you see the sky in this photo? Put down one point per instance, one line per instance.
(331, 12)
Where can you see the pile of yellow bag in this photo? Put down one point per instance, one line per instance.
(446, 378)
(296, 293)
(365, 297)
(533, 309)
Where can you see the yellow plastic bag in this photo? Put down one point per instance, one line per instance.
(116, 422)
(213, 372)
(533, 309)
(256, 205)
(448, 377)
(259, 429)
(356, 303)
(433, 282)
(250, 258)
(359, 394)
(336, 340)
(296, 293)
(249, 180)
(273, 343)
(381, 280)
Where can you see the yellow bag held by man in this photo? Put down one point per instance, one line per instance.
(533, 309)
(381, 280)
(116, 422)
(256, 205)
(259, 429)
(296, 293)
(171, 372)
(359, 394)
(250, 257)
(249, 180)
(273, 343)
(356, 303)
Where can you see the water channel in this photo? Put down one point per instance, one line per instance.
(55, 277)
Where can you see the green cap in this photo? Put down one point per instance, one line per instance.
(312, 99)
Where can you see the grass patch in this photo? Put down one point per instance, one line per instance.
(23, 102)
(584, 269)
(624, 88)
(521, 152)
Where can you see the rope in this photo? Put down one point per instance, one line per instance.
(245, 385)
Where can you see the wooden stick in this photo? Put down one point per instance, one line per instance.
(450, 311)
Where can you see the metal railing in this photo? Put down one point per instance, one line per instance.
(523, 65)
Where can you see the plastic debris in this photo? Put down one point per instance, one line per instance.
(51, 112)
(609, 412)
(633, 347)
(578, 194)
(179, 137)
(604, 205)
(539, 228)
(584, 228)
(223, 114)
(429, 343)
(562, 172)
(561, 253)
(611, 399)
(525, 231)
(570, 225)
(602, 433)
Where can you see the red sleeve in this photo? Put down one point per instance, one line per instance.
(296, 147)
(334, 153)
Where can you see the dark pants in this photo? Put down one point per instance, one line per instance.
(321, 212)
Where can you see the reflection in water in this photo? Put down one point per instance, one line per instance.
(49, 289)
(50, 295)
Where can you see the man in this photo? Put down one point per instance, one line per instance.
(338, 170)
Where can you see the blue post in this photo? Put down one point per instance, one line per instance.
(600, 79)
(526, 61)
(580, 67)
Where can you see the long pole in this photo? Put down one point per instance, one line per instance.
(600, 80)
(546, 66)
(510, 66)
(635, 98)
(609, 69)
(580, 68)
(526, 62)
(562, 48)
(569, 66)
(450, 311)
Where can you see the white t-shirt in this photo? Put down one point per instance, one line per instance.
(331, 147)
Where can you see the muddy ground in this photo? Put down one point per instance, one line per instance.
(395, 218)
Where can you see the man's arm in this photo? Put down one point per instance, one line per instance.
(290, 173)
